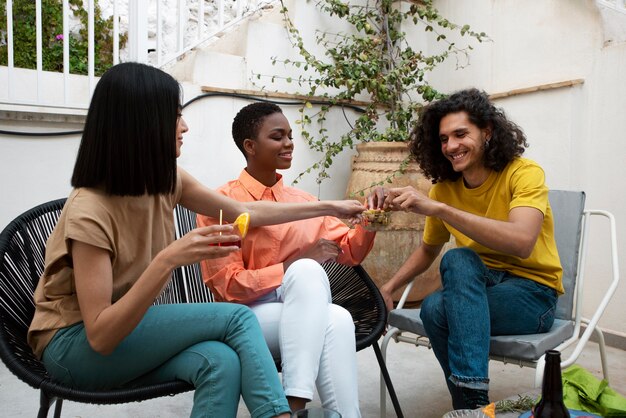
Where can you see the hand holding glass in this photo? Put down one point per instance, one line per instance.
(236, 231)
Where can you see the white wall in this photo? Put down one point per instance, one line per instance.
(552, 41)
(34, 170)
(575, 133)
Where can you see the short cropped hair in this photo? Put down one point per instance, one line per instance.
(128, 146)
(248, 121)
(507, 139)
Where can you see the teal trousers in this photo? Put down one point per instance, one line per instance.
(217, 347)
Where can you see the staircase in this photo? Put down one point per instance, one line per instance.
(164, 33)
(49, 113)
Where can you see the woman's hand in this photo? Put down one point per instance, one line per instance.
(200, 244)
(348, 209)
(322, 251)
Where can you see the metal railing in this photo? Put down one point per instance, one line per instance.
(159, 32)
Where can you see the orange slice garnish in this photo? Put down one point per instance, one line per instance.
(243, 223)
(490, 410)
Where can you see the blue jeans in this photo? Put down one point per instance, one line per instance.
(217, 347)
(474, 303)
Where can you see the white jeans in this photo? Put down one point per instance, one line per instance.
(313, 338)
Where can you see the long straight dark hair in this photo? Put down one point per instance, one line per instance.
(128, 147)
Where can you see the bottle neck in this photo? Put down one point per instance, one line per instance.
(552, 389)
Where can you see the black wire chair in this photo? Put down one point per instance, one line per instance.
(22, 251)
(351, 287)
(22, 248)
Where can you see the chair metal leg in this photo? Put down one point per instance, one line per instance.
(44, 404)
(602, 346)
(541, 363)
(385, 373)
(58, 407)
(391, 332)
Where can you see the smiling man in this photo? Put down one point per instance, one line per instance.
(504, 277)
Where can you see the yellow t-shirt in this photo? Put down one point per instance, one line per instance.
(133, 229)
(521, 183)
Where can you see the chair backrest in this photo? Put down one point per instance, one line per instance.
(186, 285)
(567, 209)
(22, 253)
(352, 288)
(22, 249)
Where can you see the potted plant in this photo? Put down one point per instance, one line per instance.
(375, 63)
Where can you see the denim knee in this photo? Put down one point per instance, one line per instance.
(431, 308)
(459, 263)
(457, 256)
(213, 360)
(245, 313)
(241, 312)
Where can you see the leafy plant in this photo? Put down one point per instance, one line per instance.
(24, 37)
(375, 60)
(521, 404)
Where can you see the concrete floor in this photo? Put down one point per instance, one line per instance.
(414, 371)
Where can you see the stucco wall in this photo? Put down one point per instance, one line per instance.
(548, 41)
(575, 133)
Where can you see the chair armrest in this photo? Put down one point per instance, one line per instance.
(592, 323)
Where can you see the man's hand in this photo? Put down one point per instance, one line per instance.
(387, 295)
(408, 199)
(376, 199)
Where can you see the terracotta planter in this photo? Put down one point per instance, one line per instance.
(375, 162)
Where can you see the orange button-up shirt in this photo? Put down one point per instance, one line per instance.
(257, 269)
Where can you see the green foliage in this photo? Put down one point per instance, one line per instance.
(24, 37)
(374, 59)
(521, 404)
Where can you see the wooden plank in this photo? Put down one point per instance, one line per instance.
(533, 89)
(279, 95)
(314, 99)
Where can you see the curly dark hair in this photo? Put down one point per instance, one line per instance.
(507, 139)
(248, 121)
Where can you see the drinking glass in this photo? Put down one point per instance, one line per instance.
(228, 244)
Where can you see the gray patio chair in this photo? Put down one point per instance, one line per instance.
(572, 223)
